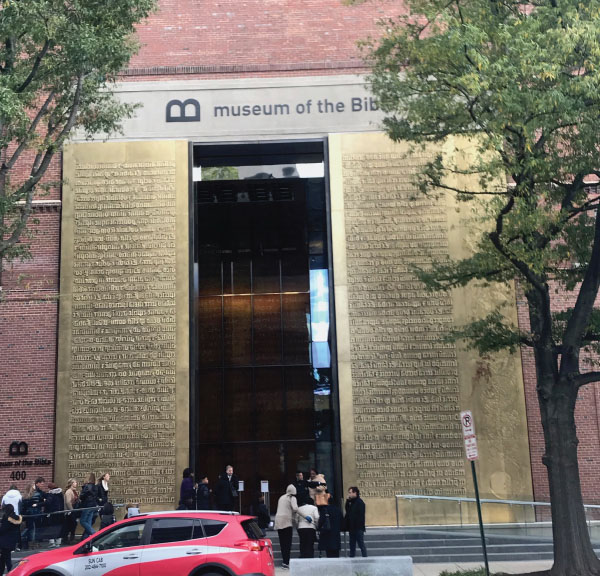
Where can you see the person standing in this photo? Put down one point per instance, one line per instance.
(29, 507)
(38, 506)
(287, 510)
(259, 509)
(55, 503)
(329, 527)
(10, 525)
(355, 521)
(301, 488)
(308, 518)
(71, 504)
(203, 494)
(227, 488)
(89, 503)
(103, 489)
(317, 487)
(13, 496)
(186, 491)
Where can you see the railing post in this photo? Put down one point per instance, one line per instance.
(589, 522)
(460, 512)
(397, 513)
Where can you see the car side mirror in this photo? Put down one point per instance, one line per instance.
(85, 549)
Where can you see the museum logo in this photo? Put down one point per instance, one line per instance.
(183, 111)
(18, 449)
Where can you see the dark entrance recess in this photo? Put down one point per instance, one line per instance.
(264, 395)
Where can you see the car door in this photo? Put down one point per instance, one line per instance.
(116, 552)
(175, 547)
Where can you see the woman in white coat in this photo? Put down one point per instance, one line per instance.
(308, 519)
(285, 517)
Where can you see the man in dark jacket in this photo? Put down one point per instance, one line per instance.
(40, 494)
(227, 488)
(301, 488)
(203, 494)
(355, 521)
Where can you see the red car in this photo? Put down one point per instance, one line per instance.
(177, 543)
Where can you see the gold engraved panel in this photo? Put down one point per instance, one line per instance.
(402, 386)
(123, 329)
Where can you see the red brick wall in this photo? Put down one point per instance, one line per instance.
(258, 36)
(587, 418)
(28, 339)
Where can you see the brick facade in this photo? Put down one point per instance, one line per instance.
(28, 339)
(587, 418)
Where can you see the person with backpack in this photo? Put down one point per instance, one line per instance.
(89, 503)
(10, 525)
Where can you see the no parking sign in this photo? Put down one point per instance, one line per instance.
(468, 428)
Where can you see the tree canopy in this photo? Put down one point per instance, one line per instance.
(58, 60)
(523, 81)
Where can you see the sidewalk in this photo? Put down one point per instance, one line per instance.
(508, 567)
(436, 569)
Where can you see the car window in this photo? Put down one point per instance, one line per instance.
(171, 530)
(212, 527)
(198, 533)
(122, 537)
(252, 529)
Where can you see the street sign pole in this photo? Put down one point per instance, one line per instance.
(468, 428)
(485, 556)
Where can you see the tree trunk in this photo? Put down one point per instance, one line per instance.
(573, 552)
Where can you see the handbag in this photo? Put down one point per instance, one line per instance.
(324, 522)
(234, 492)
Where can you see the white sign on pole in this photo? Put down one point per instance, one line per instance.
(468, 428)
(240, 485)
(264, 486)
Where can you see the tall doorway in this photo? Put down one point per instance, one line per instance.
(264, 392)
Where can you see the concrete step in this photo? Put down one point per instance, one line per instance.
(442, 547)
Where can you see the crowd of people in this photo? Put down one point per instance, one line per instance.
(199, 496)
(46, 512)
(306, 505)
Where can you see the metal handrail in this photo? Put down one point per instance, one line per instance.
(461, 499)
(66, 512)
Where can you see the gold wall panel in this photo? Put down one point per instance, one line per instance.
(402, 386)
(123, 366)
